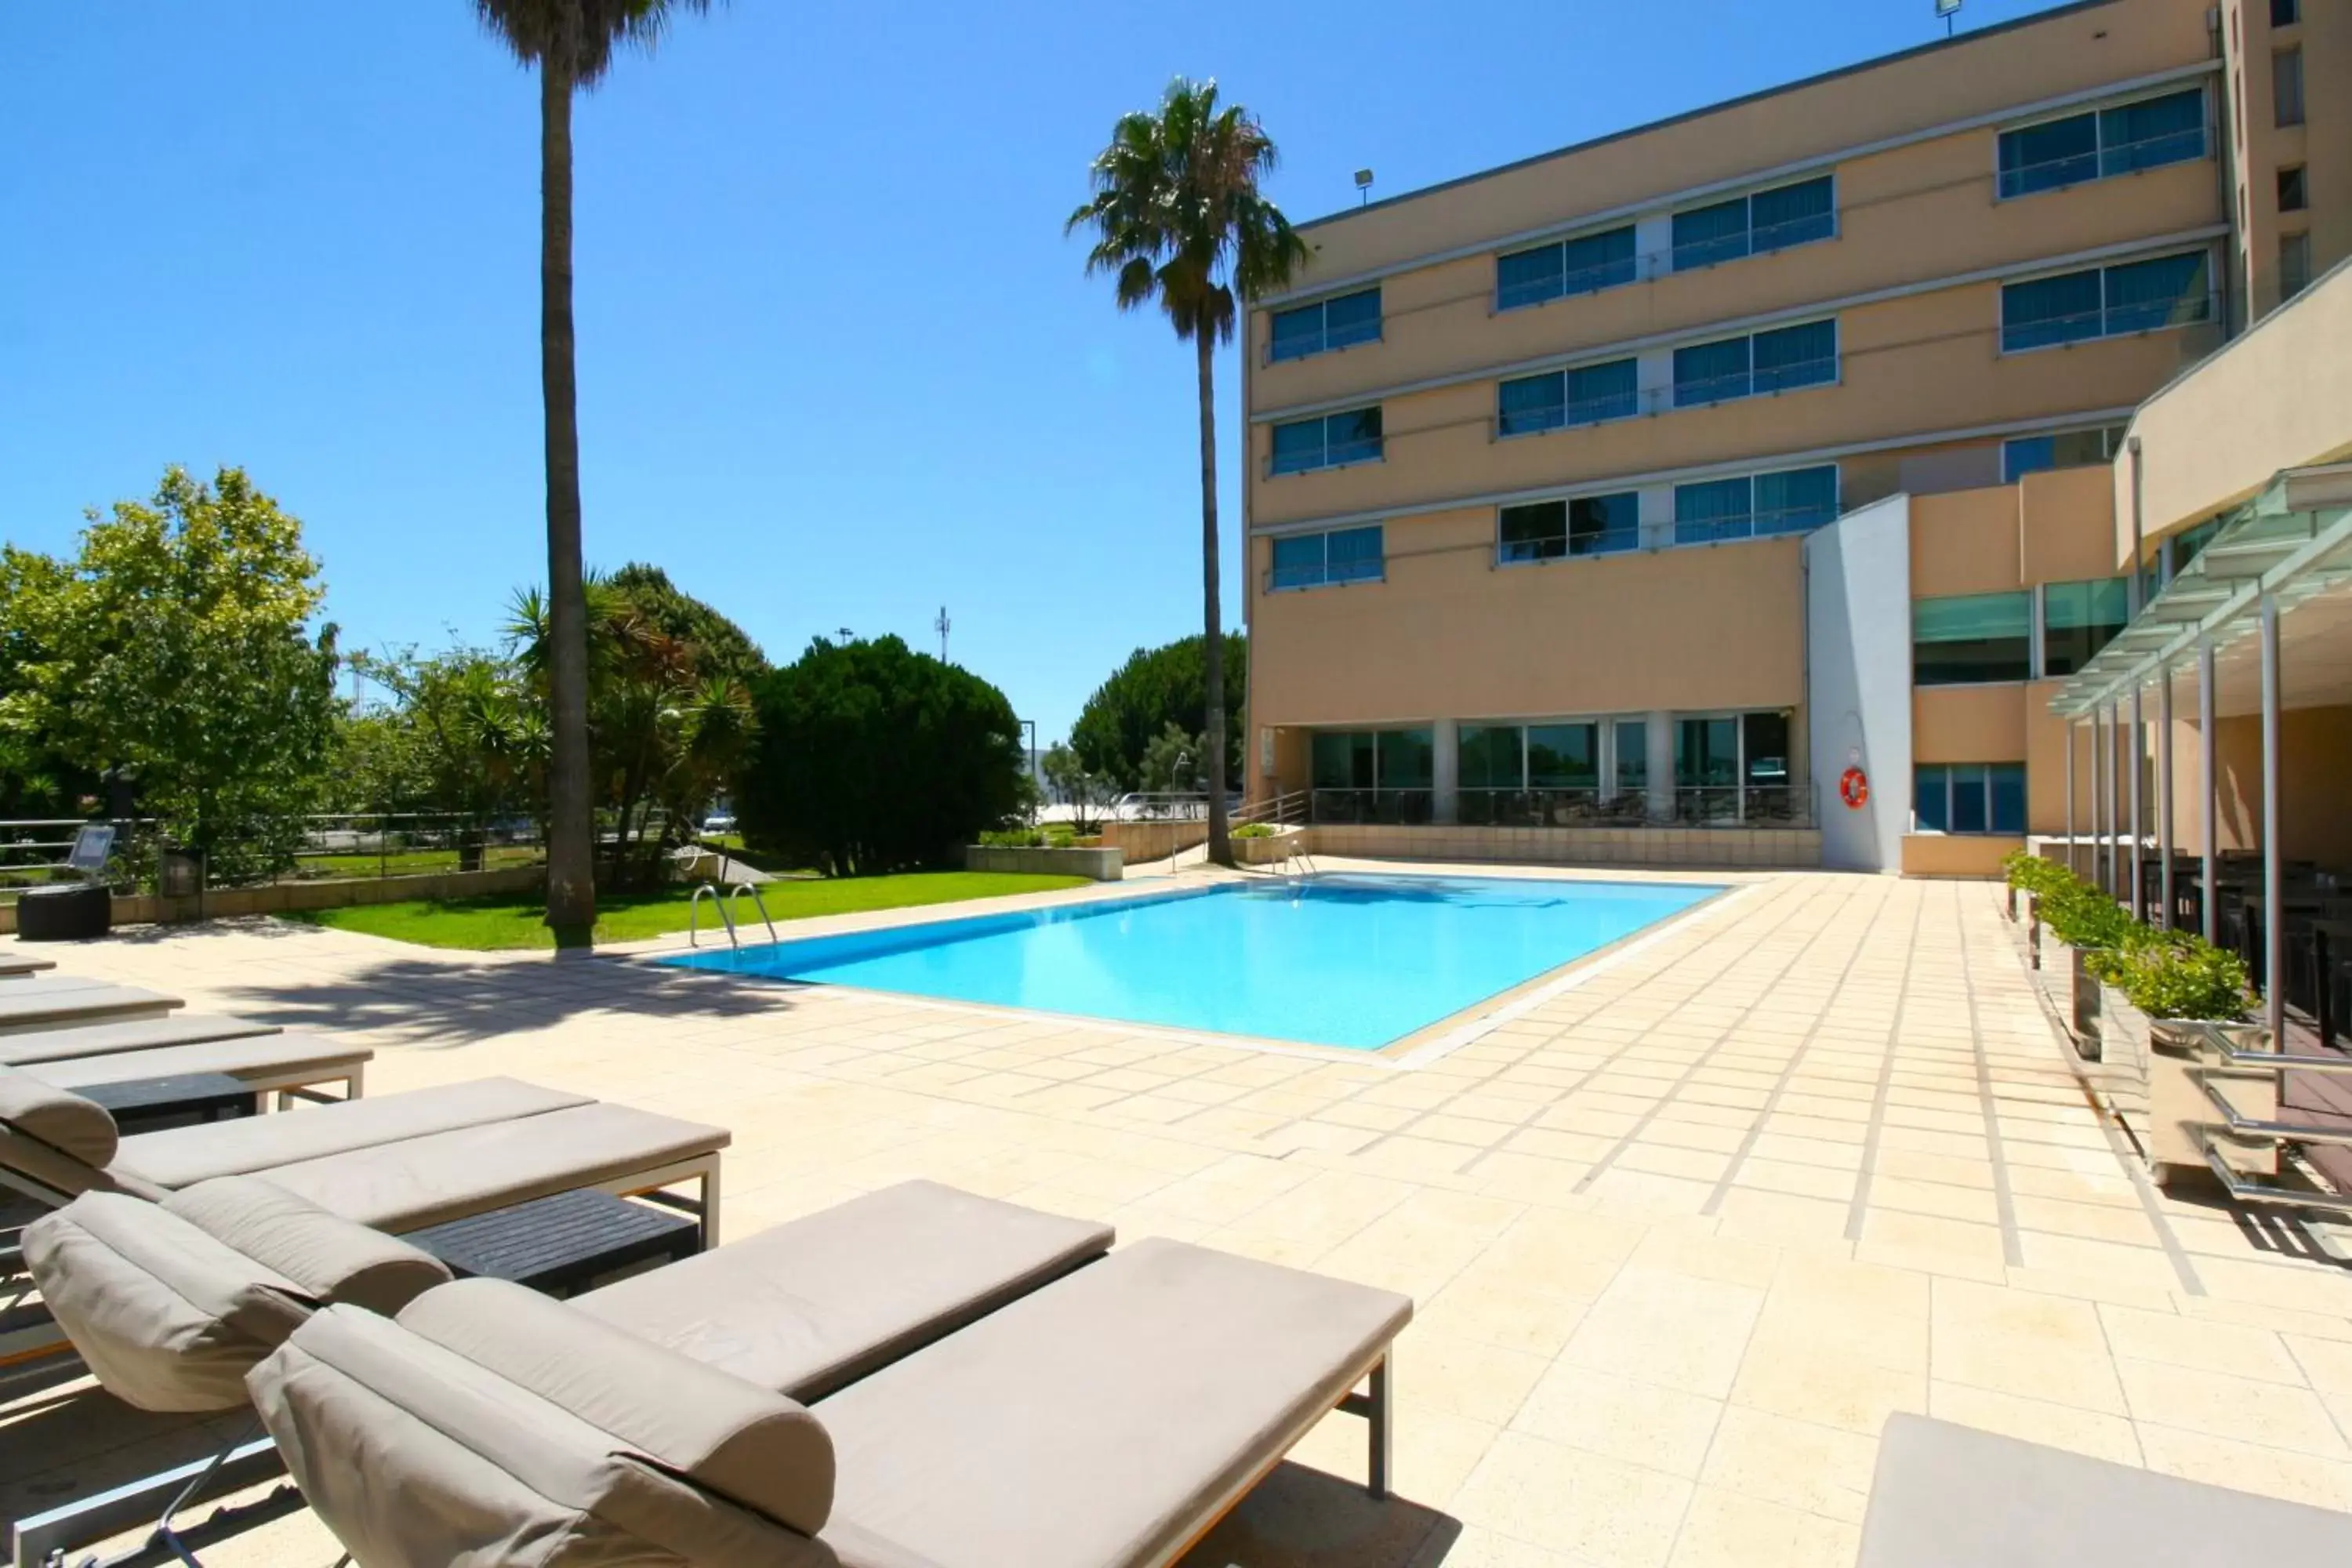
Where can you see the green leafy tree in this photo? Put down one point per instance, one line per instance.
(1154, 689)
(1171, 763)
(175, 649)
(721, 646)
(573, 43)
(1178, 220)
(872, 757)
(1068, 774)
(468, 736)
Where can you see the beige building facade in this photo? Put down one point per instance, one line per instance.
(1539, 460)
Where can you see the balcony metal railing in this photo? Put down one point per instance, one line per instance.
(1762, 524)
(1702, 806)
(1333, 455)
(1698, 392)
(1361, 805)
(1300, 345)
(1645, 265)
(1328, 575)
(1745, 805)
(1564, 546)
(1581, 807)
(2104, 163)
(2107, 321)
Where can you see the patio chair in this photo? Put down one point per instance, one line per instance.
(1106, 1420)
(397, 1161)
(171, 1304)
(73, 1040)
(45, 1003)
(291, 1065)
(1952, 1496)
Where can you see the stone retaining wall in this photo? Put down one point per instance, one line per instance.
(1105, 865)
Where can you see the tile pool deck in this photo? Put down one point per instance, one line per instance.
(1682, 1236)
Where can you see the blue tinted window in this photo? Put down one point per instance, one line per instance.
(1791, 215)
(1710, 373)
(2028, 455)
(1596, 261)
(1299, 445)
(2152, 132)
(1796, 356)
(2045, 311)
(2146, 134)
(2142, 296)
(1712, 510)
(1531, 403)
(1353, 554)
(1528, 277)
(1299, 561)
(2008, 784)
(1598, 391)
(1353, 436)
(1708, 235)
(1796, 500)
(1327, 324)
(1931, 802)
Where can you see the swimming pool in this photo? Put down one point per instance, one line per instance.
(1351, 960)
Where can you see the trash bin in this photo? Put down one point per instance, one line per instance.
(64, 913)
(179, 873)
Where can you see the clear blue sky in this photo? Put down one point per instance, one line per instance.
(837, 364)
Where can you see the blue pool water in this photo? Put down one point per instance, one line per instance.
(1350, 961)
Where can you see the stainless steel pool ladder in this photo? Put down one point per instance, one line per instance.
(2222, 1052)
(720, 902)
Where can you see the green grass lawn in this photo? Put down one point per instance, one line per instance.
(512, 923)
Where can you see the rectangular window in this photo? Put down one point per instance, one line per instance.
(1489, 757)
(1969, 797)
(1563, 756)
(1751, 225)
(1343, 759)
(2078, 619)
(2285, 13)
(2026, 455)
(1749, 366)
(1586, 395)
(1327, 324)
(1330, 442)
(1584, 265)
(1322, 560)
(1973, 637)
(1632, 743)
(2293, 196)
(2101, 302)
(2295, 265)
(1589, 525)
(2286, 85)
(1794, 500)
(2102, 143)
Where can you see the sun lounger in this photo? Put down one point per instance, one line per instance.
(42, 1004)
(171, 1304)
(286, 1063)
(132, 1034)
(19, 965)
(1952, 1496)
(1106, 1420)
(397, 1161)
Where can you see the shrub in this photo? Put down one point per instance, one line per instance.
(1012, 838)
(2173, 974)
(872, 757)
(2030, 873)
(1254, 830)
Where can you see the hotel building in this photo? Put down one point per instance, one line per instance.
(1651, 498)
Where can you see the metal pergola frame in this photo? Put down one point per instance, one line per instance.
(2288, 546)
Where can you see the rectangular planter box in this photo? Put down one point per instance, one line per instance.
(1267, 851)
(1100, 865)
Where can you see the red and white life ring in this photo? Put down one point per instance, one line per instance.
(1853, 788)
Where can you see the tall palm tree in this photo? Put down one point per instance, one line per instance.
(572, 42)
(1177, 219)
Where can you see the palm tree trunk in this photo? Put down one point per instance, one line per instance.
(571, 866)
(1212, 652)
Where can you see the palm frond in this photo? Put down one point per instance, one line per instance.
(535, 29)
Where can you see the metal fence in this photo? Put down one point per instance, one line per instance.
(340, 845)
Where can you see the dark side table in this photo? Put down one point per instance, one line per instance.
(149, 1104)
(562, 1244)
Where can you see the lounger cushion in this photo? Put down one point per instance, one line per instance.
(126, 1035)
(1952, 1496)
(331, 1257)
(56, 1117)
(423, 1181)
(184, 1156)
(1102, 1421)
(167, 1317)
(279, 1058)
(584, 1446)
(808, 1306)
(47, 1004)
